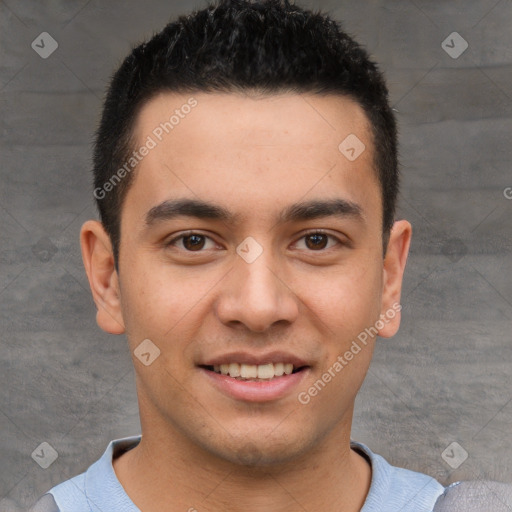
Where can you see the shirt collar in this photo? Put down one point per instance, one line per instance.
(105, 492)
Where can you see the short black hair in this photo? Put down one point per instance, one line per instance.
(240, 46)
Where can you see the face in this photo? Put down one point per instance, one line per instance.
(250, 239)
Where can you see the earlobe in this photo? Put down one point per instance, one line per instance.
(393, 271)
(98, 260)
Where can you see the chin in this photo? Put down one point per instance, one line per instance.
(259, 451)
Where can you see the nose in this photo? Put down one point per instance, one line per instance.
(256, 295)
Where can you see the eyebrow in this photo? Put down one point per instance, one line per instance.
(302, 211)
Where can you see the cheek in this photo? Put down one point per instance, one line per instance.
(157, 299)
(145, 301)
(348, 299)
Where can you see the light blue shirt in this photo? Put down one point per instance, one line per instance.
(392, 489)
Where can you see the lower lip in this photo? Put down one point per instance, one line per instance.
(256, 391)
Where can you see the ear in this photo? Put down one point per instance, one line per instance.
(393, 271)
(98, 258)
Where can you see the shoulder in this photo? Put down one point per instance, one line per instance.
(70, 495)
(476, 496)
(393, 488)
(45, 504)
(96, 488)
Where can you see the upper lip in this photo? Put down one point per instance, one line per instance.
(255, 359)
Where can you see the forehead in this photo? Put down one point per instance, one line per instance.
(256, 151)
(253, 119)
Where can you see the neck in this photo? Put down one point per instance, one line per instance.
(166, 471)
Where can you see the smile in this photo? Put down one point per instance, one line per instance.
(243, 371)
(255, 383)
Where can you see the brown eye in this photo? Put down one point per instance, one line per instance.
(316, 241)
(193, 242)
(319, 241)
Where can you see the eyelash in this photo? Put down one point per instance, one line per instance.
(310, 233)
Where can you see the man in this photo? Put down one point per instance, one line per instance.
(245, 171)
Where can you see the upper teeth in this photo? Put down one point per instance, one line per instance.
(253, 371)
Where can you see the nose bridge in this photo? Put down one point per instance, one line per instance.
(258, 281)
(256, 296)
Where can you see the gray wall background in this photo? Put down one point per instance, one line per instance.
(446, 377)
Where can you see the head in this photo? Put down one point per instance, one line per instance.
(278, 152)
(290, 50)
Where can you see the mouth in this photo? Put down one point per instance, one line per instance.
(265, 382)
(255, 372)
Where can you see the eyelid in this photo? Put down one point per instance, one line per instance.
(185, 234)
(313, 231)
(321, 231)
